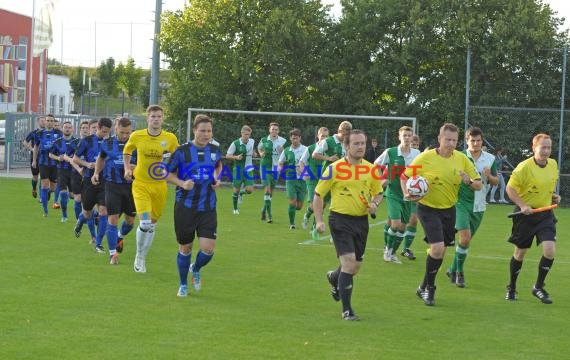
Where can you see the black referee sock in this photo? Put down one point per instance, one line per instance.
(345, 290)
(515, 271)
(543, 268)
(432, 267)
(334, 276)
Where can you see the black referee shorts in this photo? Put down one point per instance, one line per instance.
(119, 199)
(438, 224)
(349, 234)
(541, 225)
(188, 223)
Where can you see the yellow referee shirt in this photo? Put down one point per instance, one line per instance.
(347, 184)
(443, 176)
(150, 152)
(535, 184)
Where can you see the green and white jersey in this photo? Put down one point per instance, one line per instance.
(239, 148)
(313, 164)
(269, 147)
(329, 147)
(475, 200)
(291, 157)
(395, 162)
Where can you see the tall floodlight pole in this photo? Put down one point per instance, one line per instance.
(467, 88)
(155, 70)
(562, 99)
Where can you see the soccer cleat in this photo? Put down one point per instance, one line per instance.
(269, 219)
(394, 259)
(262, 215)
(139, 265)
(503, 201)
(63, 219)
(196, 281)
(119, 247)
(387, 255)
(542, 295)
(452, 276)
(460, 280)
(292, 227)
(511, 294)
(240, 199)
(77, 229)
(409, 254)
(236, 212)
(420, 292)
(45, 215)
(34, 194)
(492, 201)
(100, 249)
(114, 259)
(350, 316)
(428, 296)
(334, 288)
(55, 206)
(182, 291)
(305, 222)
(92, 240)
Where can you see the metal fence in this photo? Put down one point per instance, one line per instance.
(19, 125)
(513, 130)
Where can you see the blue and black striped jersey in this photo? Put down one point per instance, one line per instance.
(63, 146)
(45, 140)
(190, 162)
(88, 150)
(112, 152)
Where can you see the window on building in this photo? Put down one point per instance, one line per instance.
(52, 104)
(61, 105)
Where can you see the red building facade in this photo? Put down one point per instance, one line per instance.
(25, 81)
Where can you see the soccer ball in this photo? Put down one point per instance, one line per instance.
(417, 186)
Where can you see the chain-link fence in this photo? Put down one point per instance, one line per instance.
(512, 129)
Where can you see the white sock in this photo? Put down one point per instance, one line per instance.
(141, 235)
(148, 238)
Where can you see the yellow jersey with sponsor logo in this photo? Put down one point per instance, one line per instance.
(151, 152)
(535, 184)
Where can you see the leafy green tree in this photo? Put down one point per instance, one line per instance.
(129, 78)
(108, 77)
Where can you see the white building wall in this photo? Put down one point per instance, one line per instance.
(59, 97)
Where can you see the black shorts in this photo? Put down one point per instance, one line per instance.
(92, 194)
(349, 234)
(76, 180)
(189, 222)
(48, 172)
(35, 170)
(119, 199)
(526, 227)
(64, 179)
(438, 224)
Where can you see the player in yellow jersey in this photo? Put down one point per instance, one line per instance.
(445, 169)
(355, 193)
(532, 185)
(154, 147)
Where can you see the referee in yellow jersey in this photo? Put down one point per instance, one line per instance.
(154, 147)
(445, 169)
(532, 185)
(355, 193)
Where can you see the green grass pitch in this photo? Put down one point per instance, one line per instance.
(264, 295)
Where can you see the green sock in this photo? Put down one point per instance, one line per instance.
(292, 214)
(309, 212)
(409, 236)
(386, 240)
(268, 205)
(397, 241)
(242, 191)
(391, 238)
(461, 253)
(235, 200)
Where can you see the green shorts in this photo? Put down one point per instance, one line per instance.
(413, 207)
(398, 209)
(268, 176)
(296, 189)
(311, 185)
(244, 178)
(467, 219)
